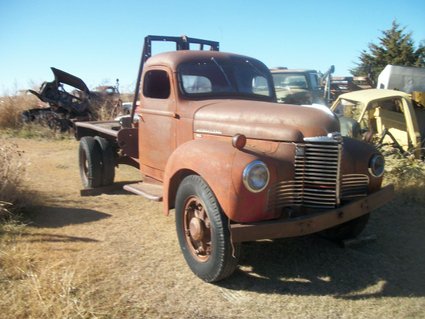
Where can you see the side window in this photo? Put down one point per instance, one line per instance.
(156, 84)
(260, 85)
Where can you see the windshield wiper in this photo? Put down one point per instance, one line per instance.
(223, 72)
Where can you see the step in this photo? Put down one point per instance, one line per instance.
(117, 186)
(149, 190)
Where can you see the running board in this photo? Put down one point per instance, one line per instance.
(147, 190)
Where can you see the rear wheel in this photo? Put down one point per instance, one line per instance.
(90, 157)
(348, 230)
(107, 161)
(202, 230)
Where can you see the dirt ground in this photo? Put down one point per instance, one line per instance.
(116, 256)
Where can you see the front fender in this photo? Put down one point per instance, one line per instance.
(355, 160)
(210, 159)
(221, 166)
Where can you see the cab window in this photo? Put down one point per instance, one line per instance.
(156, 84)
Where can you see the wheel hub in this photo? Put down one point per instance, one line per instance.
(196, 228)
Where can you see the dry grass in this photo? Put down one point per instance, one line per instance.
(12, 173)
(29, 287)
(105, 111)
(36, 131)
(32, 289)
(408, 176)
(11, 108)
(11, 124)
(49, 293)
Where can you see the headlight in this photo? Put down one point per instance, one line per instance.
(256, 176)
(377, 165)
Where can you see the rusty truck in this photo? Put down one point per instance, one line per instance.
(212, 143)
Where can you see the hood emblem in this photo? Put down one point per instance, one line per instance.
(206, 131)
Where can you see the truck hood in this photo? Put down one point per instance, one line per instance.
(265, 120)
(72, 80)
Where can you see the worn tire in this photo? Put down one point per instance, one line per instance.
(202, 231)
(348, 230)
(90, 157)
(107, 161)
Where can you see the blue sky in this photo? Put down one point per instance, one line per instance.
(100, 41)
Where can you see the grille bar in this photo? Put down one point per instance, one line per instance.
(316, 181)
(354, 185)
(316, 169)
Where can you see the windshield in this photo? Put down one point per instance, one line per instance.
(289, 81)
(217, 78)
(348, 108)
(314, 81)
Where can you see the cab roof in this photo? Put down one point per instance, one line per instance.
(365, 96)
(174, 58)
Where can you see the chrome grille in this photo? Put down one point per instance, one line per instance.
(316, 182)
(317, 171)
(354, 185)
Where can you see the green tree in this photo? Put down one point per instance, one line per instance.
(395, 47)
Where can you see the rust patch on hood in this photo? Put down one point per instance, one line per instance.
(264, 120)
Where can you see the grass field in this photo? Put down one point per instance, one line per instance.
(116, 256)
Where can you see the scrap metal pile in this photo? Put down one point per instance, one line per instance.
(79, 104)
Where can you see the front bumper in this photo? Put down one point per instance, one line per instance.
(283, 228)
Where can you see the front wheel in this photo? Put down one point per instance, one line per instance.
(202, 231)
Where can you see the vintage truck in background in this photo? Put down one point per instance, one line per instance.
(303, 86)
(297, 86)
(212, 142)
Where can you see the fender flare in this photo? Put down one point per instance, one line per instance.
(210, 159)
(214, 161)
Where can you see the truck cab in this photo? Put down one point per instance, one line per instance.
(178, 85)
(213, 145)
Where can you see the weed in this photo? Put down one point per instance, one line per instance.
(11, 108)
(408, 176)
(12, 171)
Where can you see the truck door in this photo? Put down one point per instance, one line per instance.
(157, 122)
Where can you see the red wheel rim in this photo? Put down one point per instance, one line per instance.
(197, 229)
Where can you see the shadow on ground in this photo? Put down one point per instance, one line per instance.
(393, 265)
(113, 189)
(54, 238)
(53, 217)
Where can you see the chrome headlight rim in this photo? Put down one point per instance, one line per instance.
(247, 176)
(377, 165)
